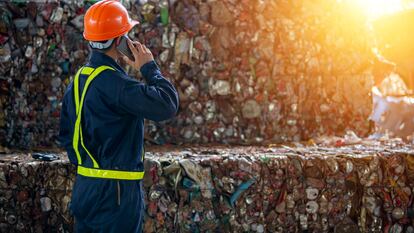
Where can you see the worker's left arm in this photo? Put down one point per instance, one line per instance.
(66, 125)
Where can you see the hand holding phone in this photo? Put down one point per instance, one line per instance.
(124, 48)
(140, 53)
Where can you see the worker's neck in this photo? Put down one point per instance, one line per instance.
(113, 54)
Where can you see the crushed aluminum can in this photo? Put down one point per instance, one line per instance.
(274, 189)
(221, 52)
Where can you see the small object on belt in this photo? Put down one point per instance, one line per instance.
(45, 156)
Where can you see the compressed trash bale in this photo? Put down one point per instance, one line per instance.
(246, 71)
(35, 195)
(348, 187)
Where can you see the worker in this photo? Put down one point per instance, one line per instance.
(102, 124)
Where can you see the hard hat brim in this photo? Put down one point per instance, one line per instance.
(110, 35)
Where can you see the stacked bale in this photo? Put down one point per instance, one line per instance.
(247, 71)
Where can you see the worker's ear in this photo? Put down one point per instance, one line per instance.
(117, 41)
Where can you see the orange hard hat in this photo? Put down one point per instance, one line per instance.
(106, 20)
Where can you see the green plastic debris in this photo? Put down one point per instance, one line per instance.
(164, 12)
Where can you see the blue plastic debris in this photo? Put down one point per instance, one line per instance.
(243, 187)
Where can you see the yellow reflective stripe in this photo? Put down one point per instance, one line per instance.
(77, 129)
(95, 73)
(75, 141)
(76, 95)
(110, 174)
(95, 164)
(76, 90)
(87, 70)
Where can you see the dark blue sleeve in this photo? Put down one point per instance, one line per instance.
(67, 122)
(157, 100)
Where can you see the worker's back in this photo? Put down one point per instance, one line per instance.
(102, 123)
(110, 152)
(111, 134)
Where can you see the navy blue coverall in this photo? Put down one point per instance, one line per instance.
(113, 116)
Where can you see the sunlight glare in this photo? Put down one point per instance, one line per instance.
(377, 8)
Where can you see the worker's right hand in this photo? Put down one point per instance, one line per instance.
(142, 55)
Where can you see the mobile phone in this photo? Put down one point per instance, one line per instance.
(124, 48)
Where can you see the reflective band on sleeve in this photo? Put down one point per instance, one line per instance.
(110, 174)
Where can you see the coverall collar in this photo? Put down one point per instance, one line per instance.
(98, 59)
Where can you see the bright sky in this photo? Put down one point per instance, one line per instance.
(378, 8)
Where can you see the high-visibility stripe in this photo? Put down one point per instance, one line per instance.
(87, 70)
(95, 164)
(76, 95)
(95, 171)
(110, 174)
(76, 90)
(78, 103)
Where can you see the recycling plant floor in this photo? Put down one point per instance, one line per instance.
(365, 187)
